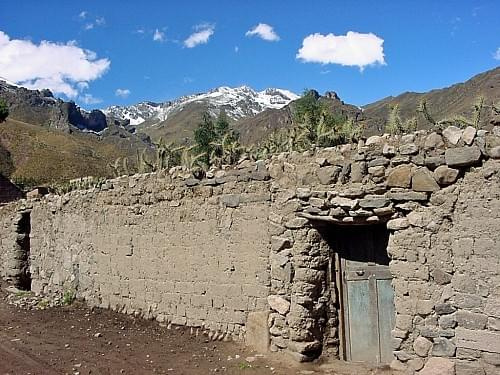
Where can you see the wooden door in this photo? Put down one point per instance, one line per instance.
(367, 293)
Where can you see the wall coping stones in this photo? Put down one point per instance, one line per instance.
(445, 175)
(468, 135)
(462, 156)
(426, 149)
(423, 180)
(452, 134)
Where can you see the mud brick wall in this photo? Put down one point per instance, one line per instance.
(194, 256)
(446, 277)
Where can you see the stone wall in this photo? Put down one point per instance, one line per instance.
(183, 255)
(8, 243)
(434, 192)
(208, 252)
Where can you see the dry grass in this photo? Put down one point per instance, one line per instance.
(43, 156)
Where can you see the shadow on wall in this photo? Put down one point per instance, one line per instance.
(23, 230)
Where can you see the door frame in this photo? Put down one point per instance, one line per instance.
(343, 316)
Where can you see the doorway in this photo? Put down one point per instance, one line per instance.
(23, 230)
(365, 291)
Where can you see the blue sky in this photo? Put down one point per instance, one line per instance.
(95, 48)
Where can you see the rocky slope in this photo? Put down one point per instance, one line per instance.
(256, 128)
(38, 155)
(178, 118)
(457, 99)
(47, 140)
(39, 107)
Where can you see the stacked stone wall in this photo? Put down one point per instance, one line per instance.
(208, 252)
(433, 191)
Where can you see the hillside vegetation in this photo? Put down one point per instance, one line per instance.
(33, 154)
(192, 137)
(447, 103)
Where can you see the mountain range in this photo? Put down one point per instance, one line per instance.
(456, 100)
(46, 139)
(175, 120)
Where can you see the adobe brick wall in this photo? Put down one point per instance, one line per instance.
(167, 252)
(206, 253)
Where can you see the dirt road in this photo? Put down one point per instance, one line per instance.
(75, 340)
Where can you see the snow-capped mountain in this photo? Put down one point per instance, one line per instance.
(237, 102)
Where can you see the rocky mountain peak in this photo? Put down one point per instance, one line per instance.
(41, 108)
(237, 102)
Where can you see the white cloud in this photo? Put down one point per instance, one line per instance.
(82, 86)
(352, 49)
(264, 31)
(63, 68)
(122, 93)
(89, 21)
(159, 36)
(236, 49)
(89, 99)
(100, 21)
(496, 55)
(201, 36)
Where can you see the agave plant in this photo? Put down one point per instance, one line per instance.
(459, 120)
(115, 167)
(424, 111)
(478, 107)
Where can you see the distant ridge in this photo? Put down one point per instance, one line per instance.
(177, 119)
(457, 99)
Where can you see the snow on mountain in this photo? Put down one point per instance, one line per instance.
(9, 82)
(236, 102)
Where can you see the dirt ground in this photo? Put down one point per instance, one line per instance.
(76, 340)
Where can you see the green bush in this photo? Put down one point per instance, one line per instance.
(69, 297)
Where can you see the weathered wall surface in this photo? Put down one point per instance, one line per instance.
(8, 245)
(173, 253)
(436, 194)
(446, 276)
(208, 252)
(14, 240)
